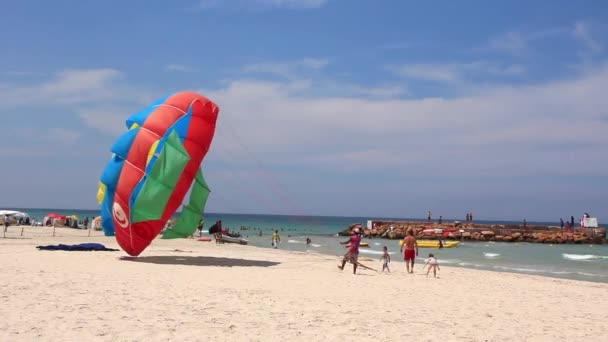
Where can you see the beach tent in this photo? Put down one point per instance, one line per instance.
(96, 224)
(14, 215)
(59, 219)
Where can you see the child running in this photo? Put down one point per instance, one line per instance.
(386, 258)
(432, 263)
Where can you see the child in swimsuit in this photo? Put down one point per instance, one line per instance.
(386, 258)
(432, 263)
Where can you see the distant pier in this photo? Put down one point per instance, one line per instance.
(480, 232)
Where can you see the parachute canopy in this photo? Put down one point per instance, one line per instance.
(153, 166)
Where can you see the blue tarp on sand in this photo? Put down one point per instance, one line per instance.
(78, 247)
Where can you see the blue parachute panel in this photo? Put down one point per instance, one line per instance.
(111, 174)
(107, 222)
(124, 142)
(140, 117)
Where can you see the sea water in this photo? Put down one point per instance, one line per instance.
(581, 262)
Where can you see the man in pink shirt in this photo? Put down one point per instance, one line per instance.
(353, 250)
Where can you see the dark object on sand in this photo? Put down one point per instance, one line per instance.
(78, 247)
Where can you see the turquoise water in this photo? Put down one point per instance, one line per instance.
(581, 262)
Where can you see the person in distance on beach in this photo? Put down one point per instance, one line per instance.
(411, 250)
(352, 255)
(276, 239)
(386, 259)
(431, 262)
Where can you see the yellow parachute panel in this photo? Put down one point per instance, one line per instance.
(101, 192)
(151, 151)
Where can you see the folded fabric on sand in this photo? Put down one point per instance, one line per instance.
(78, 247)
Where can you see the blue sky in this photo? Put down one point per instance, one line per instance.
(329, 107)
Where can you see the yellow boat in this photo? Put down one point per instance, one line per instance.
(434, 243)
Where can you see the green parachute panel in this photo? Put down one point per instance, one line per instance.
(187, 222)
(154, 194)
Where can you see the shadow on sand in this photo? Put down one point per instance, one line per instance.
(200, 261)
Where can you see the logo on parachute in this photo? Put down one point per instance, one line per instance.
(119, 215)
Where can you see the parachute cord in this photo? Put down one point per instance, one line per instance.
(253, 193)
(275, 183)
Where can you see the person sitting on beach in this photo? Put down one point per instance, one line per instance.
(276, 239)
(409, 242)
(431, 262)
(353, 250)
(386, 259)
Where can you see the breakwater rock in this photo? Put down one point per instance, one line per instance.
(480, 232)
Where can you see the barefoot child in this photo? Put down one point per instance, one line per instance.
(432, 263)
(386, 258)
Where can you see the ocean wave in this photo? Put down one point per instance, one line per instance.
(491, 255)
(377, 243)
(371, 251)
(315, 245)
(521, 269)
(295, 241)
(469, 264)
(535, 270)
(583, 257)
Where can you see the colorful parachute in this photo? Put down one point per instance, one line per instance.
(153, 166)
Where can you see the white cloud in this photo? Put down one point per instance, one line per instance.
(520, 43)
(206, 4)
(515, 43)
(180, 68)
(288, 4)
(454, 72)
(290, 69)
(294, 3)
(582, 32)
(66, 87)
(499, 131)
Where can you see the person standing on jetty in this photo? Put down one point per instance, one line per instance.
(352, 255)
(411, 250)
(429, 215)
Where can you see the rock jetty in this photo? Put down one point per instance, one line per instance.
(481, 232)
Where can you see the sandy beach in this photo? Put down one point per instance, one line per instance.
(186, 290)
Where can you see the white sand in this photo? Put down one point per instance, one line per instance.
(238, 293)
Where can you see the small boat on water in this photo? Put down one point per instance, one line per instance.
(230, 239)
(364, 244)
(434, 243)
